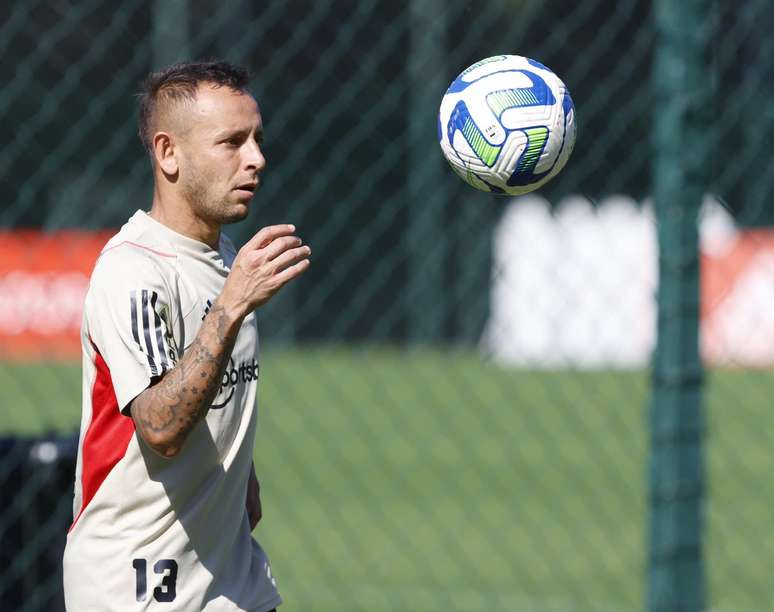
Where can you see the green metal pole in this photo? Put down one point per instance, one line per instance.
(676, 580)
(170, 32)
(426, 245)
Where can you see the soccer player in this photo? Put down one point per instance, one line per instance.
(166, 495)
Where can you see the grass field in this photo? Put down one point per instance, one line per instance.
(432, 481)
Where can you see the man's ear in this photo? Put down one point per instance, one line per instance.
(165, 152)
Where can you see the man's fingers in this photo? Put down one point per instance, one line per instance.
(265, 235)
(281, 245)
(291, 256)
(291, 272)
(272, 258)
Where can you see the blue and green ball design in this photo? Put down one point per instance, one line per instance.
(505, 156)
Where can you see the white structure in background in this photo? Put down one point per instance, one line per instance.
(576, 288)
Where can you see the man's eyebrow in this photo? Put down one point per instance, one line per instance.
(231, 132)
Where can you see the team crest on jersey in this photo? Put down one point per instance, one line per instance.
(168, 335)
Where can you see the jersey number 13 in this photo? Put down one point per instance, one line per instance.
(167, 568)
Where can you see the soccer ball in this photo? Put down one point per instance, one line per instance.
(507, 125)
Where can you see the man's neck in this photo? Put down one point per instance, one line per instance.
(178, 216)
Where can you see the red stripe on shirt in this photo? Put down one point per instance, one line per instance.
(107, 437)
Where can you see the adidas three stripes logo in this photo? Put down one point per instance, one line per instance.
(148, 330)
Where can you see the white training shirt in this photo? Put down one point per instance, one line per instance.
(151, 533)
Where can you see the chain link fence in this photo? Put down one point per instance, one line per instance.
(454, 405)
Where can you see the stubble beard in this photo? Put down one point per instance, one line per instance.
(208, 206)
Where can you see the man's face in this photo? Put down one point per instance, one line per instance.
(220, 158)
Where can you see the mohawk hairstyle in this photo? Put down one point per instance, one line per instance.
(177, 84)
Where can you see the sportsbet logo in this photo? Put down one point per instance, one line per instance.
(245, 372)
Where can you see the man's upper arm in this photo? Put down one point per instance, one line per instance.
(130, 313)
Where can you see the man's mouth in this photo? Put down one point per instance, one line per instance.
(246, 189)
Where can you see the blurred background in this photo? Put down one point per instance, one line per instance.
(469, 402)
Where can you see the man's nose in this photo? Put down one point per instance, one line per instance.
(254, 157)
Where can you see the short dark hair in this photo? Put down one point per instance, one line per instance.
(178, 83)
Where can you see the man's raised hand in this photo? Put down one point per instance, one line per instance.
(266, 263)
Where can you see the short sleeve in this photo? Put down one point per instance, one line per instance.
(129, 313)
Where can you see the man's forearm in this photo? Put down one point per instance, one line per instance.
(166, 412)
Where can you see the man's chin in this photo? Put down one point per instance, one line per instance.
(235, 213)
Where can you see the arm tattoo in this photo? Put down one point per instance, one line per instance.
(169, 409)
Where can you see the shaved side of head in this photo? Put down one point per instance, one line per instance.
(166, 95)
(169, 112)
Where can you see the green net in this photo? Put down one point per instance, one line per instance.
(454, 400)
